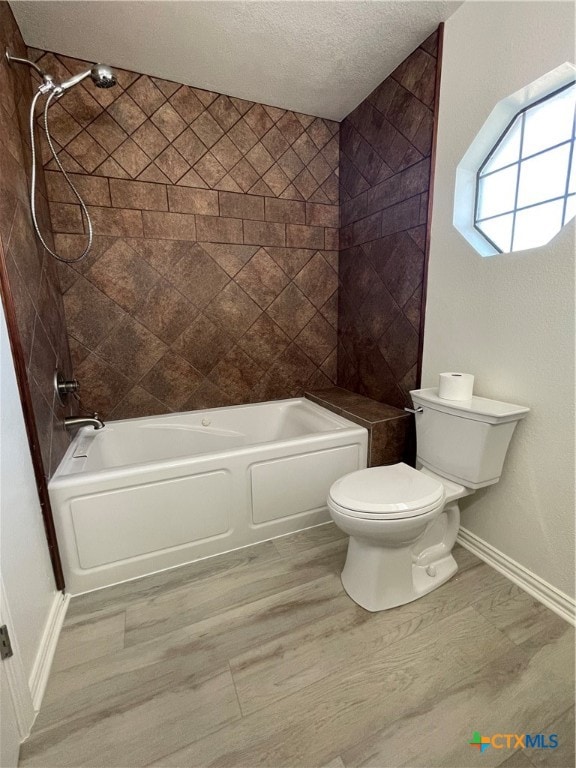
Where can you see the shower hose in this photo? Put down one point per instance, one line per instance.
(53, 94)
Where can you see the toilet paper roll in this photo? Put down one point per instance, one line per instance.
(455, 386)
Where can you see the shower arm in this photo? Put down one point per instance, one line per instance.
(48, 83)
(17, 60)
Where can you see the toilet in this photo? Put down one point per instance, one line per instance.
(403, 522)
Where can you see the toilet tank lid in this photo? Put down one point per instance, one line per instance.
(477, 408)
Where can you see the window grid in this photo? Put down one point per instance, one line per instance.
(480, 175)
(526, 207)
(524, 159)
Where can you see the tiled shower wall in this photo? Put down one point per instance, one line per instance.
(32, 276)
(385, 147)
(213, 278)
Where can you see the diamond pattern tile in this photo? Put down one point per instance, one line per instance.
(203, 344)
(154, 174)
(207, 129)
(186, 103)
(383, 174)
(305, 148)
(150, 139)
(131, 158)
(147, 95)
(233, 310)
(111, 168)
(317, 339)
(192, 179)
(227, 184)
(226, 152)
(198, 277)
(319, 168)
(127, 113)
(181, 325)
(168, 121)
(210, 169)
(131, 348)
(306, 184)
(259, 120)
(264, 341)
(206, 97)
(172, 380)
(224, 112)
(190, 146)
(172, 164)
(122, 276)
(107, 132)
(291, 310)
(165, 312)
(290, 127)
(166, 86)
(136, 403)
(259, 158)
(86, 151)
(276, 179)
(81, 105)
(236, 374)
(243, 136)
(317, 280)
(262, 278)
(319, 133)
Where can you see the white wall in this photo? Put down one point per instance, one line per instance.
(24, 559)
(509, 319)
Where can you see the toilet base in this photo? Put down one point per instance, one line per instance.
(378, 579)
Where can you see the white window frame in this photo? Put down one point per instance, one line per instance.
(501, 117)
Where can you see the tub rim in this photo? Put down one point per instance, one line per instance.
(70, 479)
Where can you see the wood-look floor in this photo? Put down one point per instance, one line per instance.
(258, 658)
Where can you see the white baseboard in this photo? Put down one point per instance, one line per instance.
(16, 677)
(551, 597)
(43, 663)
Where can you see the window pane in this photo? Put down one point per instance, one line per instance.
(544, 176)
(572, 185)
(496, 193)
(549, 123)
(499, 230)
(508, 150)
(570, 208)
(536, 226)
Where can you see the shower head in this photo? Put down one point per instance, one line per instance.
(102, 77)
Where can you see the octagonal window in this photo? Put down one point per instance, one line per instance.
(516, 184)
(526, 186)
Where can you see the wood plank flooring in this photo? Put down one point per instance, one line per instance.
(259, 658)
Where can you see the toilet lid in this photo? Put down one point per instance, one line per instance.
(398, 490)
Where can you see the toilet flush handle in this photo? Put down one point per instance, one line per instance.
(415, 410)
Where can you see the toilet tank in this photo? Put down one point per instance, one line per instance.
(465, 441)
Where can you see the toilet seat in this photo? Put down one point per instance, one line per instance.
(386, 493)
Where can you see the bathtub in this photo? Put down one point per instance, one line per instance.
(143, 495)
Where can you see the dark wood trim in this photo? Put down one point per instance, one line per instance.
(430, 200)
(30, 421)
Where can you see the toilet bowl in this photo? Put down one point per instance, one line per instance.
(387, 511)
(403, 522)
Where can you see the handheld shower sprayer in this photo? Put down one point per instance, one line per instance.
(103, 77)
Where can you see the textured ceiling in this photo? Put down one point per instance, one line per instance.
(320, 57)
